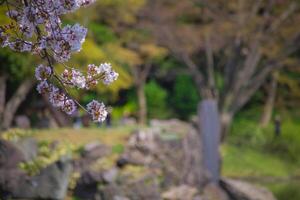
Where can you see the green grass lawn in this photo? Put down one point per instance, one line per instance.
(254, 154)
(262, 168)
(250, 162)
(79, 137)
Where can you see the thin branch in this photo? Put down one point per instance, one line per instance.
(210, 61)
(281, 19)
(253, 85)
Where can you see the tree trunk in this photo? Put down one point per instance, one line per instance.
(142, 117)
(269, 104)
(225, 122)
(13, 104)
(2, 95)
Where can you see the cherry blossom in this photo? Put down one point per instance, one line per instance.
(3, 39)
(44, 87)
(97, 111)
(69, 107)
(38, 29)
(109, 74)
(43, 72)
(57, 97)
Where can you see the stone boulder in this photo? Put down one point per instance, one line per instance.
(94, 151)
(214, 192)
(90, 154)
(145, 189)
(28, 147)
(171, 125)
(87, 185)
(240, 190)
(182, 192)
(175, 156)
(120, 198)
(10, 156)
(50, 183)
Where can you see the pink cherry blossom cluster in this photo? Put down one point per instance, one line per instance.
(37, 28)
(56, 97)
(75, 78)
(33, 15)
(97, 110)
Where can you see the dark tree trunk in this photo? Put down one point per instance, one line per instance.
(142, 103)
(2, 95)
(13, 104)
(225, 123)
(140, 74)
(269, 104)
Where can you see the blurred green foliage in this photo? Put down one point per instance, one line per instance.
(118, 149)
(241, 161)
(102, 33)
(15, 65)
(16, 134)
(184, 97)
(256, 152)
(288, 190)
(129, 109)
(156, 100)
(285, 146)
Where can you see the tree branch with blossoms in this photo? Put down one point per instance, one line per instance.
(37, 28)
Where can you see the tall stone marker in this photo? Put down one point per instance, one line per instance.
(210, 132)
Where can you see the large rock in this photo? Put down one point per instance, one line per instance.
(10, 156)
(95, 150)
(87, 185)
(90, 154)
(147, 147)
(240, 190)
(177, 158)
(28, 147)
(9, 181)
(133, 190)
(214, 192)
(182, 192)
(50, 183)
(129, 185)
(171, 125)
(120, 198)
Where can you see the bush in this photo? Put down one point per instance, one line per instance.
(102, 33)
(156, 100)
(185, 97)
(286, 146)
(288, 190)
(247, 133)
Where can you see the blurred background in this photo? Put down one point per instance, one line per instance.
(206, 106)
